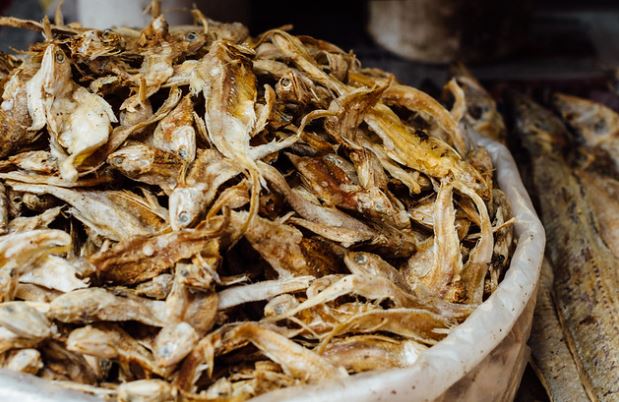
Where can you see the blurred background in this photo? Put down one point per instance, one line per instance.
(520, 40)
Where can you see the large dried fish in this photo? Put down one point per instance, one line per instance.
(586, 279)
(552, 359)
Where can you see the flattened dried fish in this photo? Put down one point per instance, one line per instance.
(586, 279)
(552, 359)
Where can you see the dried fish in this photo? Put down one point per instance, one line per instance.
(116, 215)
(585, 285)
(552, 360)
(96, 304)
(233, 215)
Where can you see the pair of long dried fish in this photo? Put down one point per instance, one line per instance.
(573, 172)
(192, 213)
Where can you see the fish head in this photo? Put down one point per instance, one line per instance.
(190, 42)
(92, 44)
(184, 206)
(131, 160)
(56, 70)
(92, 341)
(24, 320)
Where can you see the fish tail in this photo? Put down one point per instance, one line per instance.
(254, 202)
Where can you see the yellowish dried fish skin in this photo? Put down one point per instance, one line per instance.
(14, 114)
(336, 188)
(4, 210)
(295, 360)
(468, 286)
(429, 155)
(24, 320)
(28, 223)
(110, 342)
(447, 262)
(136, 121)
(52, 79)
(551, 358)
(419, 102)
(586, 281)
(338, 225)
(371, 265)
(148, 165)
(175, 132)
(411, 323)
(97, 304)
(156, 288)
(34, 293)
(278, 244)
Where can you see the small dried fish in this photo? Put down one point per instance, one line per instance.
(265, 290)
(148, 165)
(96, 304)
(233, 215)
(24, 360)
(175, 132)
(369, 352)
(143, 258)
(116, 215)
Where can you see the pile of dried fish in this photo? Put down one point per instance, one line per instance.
(574, 160)
(190, 212)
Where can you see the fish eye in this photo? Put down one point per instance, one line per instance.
(183, 217)
(286, 82)
(191, 36)
(59, 57)
(361, 259)
(117, 160)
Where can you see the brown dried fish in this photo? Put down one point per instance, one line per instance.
(233, 215)
(586, 279)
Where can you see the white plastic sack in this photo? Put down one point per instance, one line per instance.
(481, 360)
